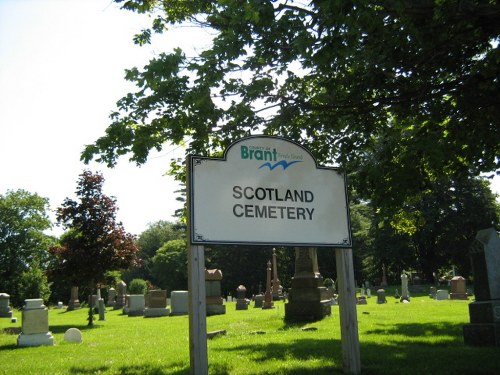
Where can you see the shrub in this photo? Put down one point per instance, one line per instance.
(138, 286)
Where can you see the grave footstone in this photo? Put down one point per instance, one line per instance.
(156, 303)
(35, 324)
(179, 302)
(5, 309)
(484, 313)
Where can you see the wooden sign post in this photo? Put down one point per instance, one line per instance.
(267, 191)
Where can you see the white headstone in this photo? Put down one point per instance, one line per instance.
(441, 294)
(179, 299)
(73, 335)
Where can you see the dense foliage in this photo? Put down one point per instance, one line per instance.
(23, 245)
(397, 93)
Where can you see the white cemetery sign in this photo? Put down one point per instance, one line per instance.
(267, 190)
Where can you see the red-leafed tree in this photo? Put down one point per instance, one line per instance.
(94, 243)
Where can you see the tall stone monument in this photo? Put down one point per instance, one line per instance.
(277, 289)
(35, 324)
(214, 301)
(405, 294)
(484, 313)
(308, 300)
(268, 295)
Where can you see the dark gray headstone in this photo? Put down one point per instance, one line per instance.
(485, 257)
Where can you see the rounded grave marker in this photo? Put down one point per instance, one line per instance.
(73, 335)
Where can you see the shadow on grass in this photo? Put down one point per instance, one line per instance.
(401, 351)
(135, 370)
(419, 329)
(64, 328)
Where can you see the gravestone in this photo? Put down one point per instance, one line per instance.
(73, 335)
(74, 302)
(214, 301)
(362, 300)
(35, 324)
(405, 295)
(381, 296)
(179, 302)
(111, 297)
(121, 295)
(5, 309)
(241, 300)
(135, 306)
(484, 313)
(156, 302)
(441, 294)
(277, 289)
(458, 288)
(258, 301)
(268, 295)
(307, 299)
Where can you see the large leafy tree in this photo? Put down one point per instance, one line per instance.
(95, 243)
(398, 93)
(23, 243)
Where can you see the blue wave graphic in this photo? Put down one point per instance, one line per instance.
(283, 163)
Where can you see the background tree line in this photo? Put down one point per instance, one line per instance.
(452, 213)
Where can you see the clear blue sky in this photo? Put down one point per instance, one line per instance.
(61, 72)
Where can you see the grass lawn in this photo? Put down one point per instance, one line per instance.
(421, 337)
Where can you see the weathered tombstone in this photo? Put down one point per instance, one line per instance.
(441, 294)
(5, 309)
(111, 297)
(156, 302)
(258, 300)
(432, 292)
(35, 324)
(73, 335)
(276, 288)
(484, 313)
(362, 300)
(384, 276)
(136, 304)
(101, 308)
(74, 302)
(179, 302)
(405, 295)
(381, 296)
(59, 305)
(307, 299)
(268, 296)
(241, 300)
(214, 301)
(368, 292)
(458, 288)
(120, 295)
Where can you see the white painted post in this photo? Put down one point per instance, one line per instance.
(347, 309)
(197, 311)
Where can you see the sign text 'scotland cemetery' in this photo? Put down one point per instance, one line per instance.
(267, 190)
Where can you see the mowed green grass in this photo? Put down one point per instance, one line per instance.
(420, 337)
